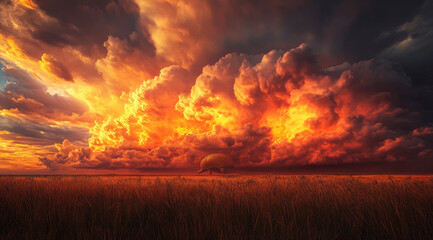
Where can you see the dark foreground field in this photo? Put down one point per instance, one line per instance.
(218, 207)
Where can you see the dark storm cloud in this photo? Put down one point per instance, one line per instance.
(337, 30)
(415, 52)
(29, 96)
(356, 29)
(42, 134)
(87, 24)
(84, 25)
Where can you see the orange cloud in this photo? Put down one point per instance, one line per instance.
(28, 4)
(280, 108)
(51, 65)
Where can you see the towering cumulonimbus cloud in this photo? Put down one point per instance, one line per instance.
(280, 108)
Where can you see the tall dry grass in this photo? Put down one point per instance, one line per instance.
(217, 207)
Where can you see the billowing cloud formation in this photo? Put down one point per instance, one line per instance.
(281, 108)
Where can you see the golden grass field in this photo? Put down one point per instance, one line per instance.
(216, 207)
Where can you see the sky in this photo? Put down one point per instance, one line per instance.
(2, 77)
(106, 86)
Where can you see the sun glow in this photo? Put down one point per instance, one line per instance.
(286, 123)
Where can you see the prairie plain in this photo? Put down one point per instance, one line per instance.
(216, 207)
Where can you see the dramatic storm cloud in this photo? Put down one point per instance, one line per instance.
(119, 84)
(280, 108)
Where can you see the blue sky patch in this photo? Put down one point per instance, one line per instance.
(2, 77)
